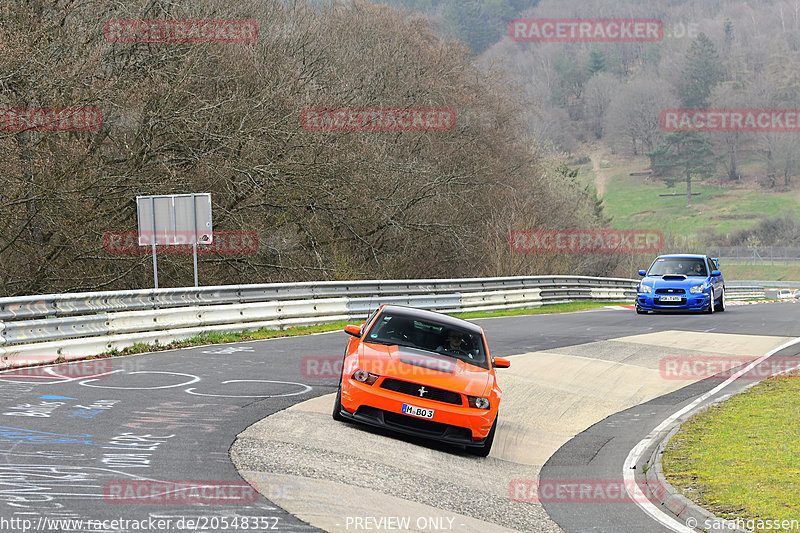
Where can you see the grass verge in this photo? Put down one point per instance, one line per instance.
(738, 459)
(544, 310)
(228, 337)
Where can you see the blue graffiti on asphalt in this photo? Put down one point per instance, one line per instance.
(43, 437)
(84, 413)
(50, 397)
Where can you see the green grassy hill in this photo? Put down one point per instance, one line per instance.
(634, 202)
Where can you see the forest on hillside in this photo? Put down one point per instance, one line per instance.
(225, 119)
(714, 54)
(478, 23)
(585, 98)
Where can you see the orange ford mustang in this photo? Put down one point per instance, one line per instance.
(421, 373)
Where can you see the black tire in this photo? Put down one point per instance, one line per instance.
(721, 305)
(337, 406)
(640, 311)
(484, 449)
(710, 309)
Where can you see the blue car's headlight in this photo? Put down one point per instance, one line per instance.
(645, 288)
(696, 289)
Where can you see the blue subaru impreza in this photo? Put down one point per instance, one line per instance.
(685, 281)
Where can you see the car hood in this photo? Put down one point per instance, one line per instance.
(674, 282)
(427, 368)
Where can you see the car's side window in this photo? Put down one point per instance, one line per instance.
(711, 266)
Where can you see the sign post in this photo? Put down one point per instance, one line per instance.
(174, 219)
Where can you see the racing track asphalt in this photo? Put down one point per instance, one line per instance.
(172, 416)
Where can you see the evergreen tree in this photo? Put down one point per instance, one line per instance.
(703, 72)
(479, 23)
(728, 31)
(597, 61)
(685, 154)
(571, 78)
(689, 154)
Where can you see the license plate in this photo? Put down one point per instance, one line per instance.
(671, 298)
(420, 412)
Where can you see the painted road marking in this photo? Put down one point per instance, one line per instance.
(635, 454)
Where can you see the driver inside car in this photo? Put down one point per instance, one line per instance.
(454, 343)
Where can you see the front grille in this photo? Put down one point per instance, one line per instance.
(670, 291)
(431, 393)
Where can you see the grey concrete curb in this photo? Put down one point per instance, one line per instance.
(662, 493)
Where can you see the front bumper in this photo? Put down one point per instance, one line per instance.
(372, 405)
(652, 302)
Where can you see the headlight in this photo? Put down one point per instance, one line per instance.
(645, 288)
(478, 403)
(697, 289)
(365, 377)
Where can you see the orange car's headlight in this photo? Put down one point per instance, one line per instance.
(365, 377)
(478, 402)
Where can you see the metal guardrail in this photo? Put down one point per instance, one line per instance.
(57, 305)
(768, 284)
(81, 324)
(744, 293)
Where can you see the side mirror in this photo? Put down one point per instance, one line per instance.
(715, 273)
(355, 331)
(643, 272)
(501, 362)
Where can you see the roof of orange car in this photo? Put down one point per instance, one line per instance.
(439, 318)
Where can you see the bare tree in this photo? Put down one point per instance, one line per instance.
(225, 119)
(633, 115)
(597, 97)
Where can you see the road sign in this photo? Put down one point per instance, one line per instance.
(174, 219)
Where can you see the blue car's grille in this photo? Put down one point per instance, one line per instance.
(670, 291)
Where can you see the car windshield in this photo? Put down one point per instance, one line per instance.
(685, 266)
(404, 330)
